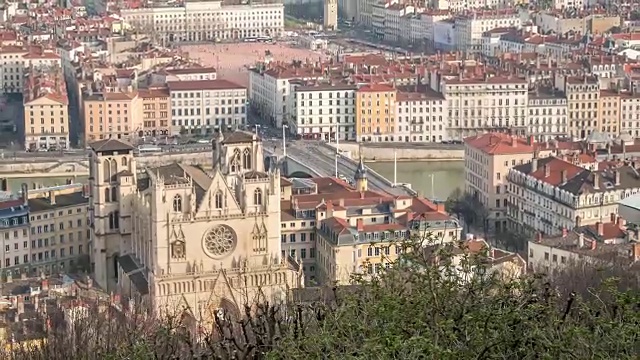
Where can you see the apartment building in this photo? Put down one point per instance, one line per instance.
(630, 113)
(421, 116)
(609, 108)
(603, 243)
(547, 114)
(156, 112)
(376, 113)
(14, 230)
(112, 115)
(15, 59)
(59, 220)
(46, 110)
(209, 20)
(322, 110)
(338, 232)
(488, 160)
(470, 27)
(551, 194)
(583, 101)
(477, 102)
(205, 106)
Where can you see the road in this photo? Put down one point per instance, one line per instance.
(322, 160)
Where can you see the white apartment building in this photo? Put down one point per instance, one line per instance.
(547, 114)
(269, 90)
(15, 59)
(427, 22)
(421, 117)
(14, 232)
(209, 20)
(396, 24)
(482, 103)
(491, 41)
(322, 111)
(469, 28)
(365, 12)
(551, 194)
(204, 106)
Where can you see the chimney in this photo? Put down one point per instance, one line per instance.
(538, 237)
(580, 241)
(36, 302)
(621, 222)
(616, 173)
(534, 164)
(596, 180)
(600, 227)
(52, 197)
(636, 252)
(593, 245)
(20, 305)
(578, 221)
(531, 141)
(440, 207)
(613, 217)
(329, 206)
(564, 232)
(45, 285)
(360, 225)
(563, 174)
(514, 141)
(547, 170)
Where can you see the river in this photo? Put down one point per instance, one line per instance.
(447, 176)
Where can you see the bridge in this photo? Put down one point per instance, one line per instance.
(314, 159)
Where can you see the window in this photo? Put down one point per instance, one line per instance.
(312, 253)
(257, 197)
(303, 253)
(292, 238)
(218, 200)
(283, 238)
(114, 220)
(246, 159)
(546, 256)
(498, 176)
(177, 203)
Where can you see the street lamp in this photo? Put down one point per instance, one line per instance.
(337, 147)
(257, 126)
(284, 140)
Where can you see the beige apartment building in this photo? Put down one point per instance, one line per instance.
(46, 111)
(156, 112)
(112, 115)
(337, 231)
(59, 220)
(609, 108)
(583, 101)
(488, 159)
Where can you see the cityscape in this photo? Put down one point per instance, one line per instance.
(213, 155)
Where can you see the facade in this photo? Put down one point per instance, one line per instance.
(547, 114)
(610, 111)
(331, 14)
(15, 60)
(209, 20)
(112, 115)
(630, 113)
(322, 111)
(59, 219)
(583, 100)
(421, 117)
(178, 237)
(550, 194)
(205, 106)
(483, 103)
(46, 110)
(488, 159)
(156, 112)
(470, 27)
(14, 230)
(375, 113)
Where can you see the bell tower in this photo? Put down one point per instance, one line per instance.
(331, 14)
(360, 176)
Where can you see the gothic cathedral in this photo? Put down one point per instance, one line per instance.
(182, 238)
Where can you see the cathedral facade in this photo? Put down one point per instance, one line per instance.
(183, 238)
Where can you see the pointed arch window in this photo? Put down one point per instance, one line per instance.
(124, 161)
(106, 170)
(218, 200)
(177, 203)
(107, 195)
(235, 161)
(246, 159)
(114, 194)
(257, 197)
(114, 170)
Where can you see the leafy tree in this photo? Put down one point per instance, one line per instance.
(429, 305)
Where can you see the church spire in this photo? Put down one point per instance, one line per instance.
(361, 173)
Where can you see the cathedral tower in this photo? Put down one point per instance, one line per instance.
(361, 176)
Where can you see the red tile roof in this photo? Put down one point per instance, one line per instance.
(499, 144)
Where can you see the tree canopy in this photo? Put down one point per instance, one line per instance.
(424, 307)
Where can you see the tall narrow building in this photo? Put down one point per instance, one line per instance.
(331, 14)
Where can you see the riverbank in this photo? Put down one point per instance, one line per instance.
(403, 152)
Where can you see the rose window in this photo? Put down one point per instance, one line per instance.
(219, 241)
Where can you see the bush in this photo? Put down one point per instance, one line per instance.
(420, 308)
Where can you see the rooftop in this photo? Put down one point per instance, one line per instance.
(499, 144)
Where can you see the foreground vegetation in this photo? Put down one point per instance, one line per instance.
(419, 309)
